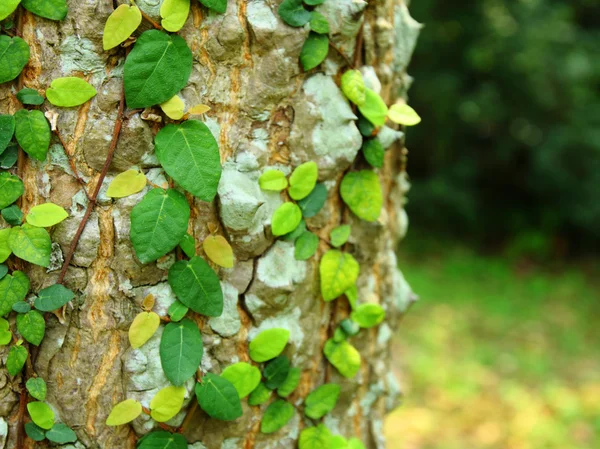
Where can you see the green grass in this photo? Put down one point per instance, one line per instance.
(497, 353)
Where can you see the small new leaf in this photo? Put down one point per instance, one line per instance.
(403, 114)
(124, 412)
(277, 415)
(285, 219)
(303, 180)
(268, 344)
(273, 180)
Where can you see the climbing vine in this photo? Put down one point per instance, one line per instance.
(157, 67)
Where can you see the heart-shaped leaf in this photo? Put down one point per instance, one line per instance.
(14, 55)
(49, 9)
(368, 315)
(268, 344)
(61, 434)
(353, 87)
(11, 188)
(306, 246)
(318, 437)
(174, 14)
(339, 272)
(314, 51)
(274, 180)
(361, 191)
(36, 386)
(120, 25)
(285, 219)
(13, 288)
(244, 377)
(124, 412)
(343, 356)
(17, 355)
(31, 244)
(33, 133)
(41, 414)
(32, 326)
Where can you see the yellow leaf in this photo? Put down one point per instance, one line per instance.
(218, 250)
(143, 327)
(120, 25)
(199, 109)
(127, 183)
(403, 114)
(124, 412)
(173, 108)
(174, 14)
(167, 403)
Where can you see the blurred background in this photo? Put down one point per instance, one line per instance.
(503, 348)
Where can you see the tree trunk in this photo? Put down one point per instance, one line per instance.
(265, 112)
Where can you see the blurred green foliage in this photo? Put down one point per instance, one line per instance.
(509, 93)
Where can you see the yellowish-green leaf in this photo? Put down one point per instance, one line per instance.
(273, 180)
(343, 356)
(374, 108)
(339, 272)
(124, 412)
(285, 219)
(5, 250)
(403, 114)
(361, 191)
(368, 315)
(244, 377)
(353, 87)
(120, 25)
(167, 403)
(218, 249)
(31, 244)
(318, 437)
(41, 414)
(69, 92)
(46, 215)
(174, 13)
(7, 7)
(143, 328)
(268, 344)
(126, 183)
(303, 180)
(174, 107)
(199, 109)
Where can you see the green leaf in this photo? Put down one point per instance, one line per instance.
(322, 400)
(31, 244)
(314, 51)
(285, 219)
(13, 215)
(69, 92)
(14, 55)
(143, 327)
(352, 295)
(290, 383)
(16, 361)
(190, 155)
(124, 412)
(53, 297)
(314, 202)
(374, 108)
(11, 188)
(218, 249)
(21, 307)
(7, 7)
(46, 215)
(30, 96)
(3, 271)
(36, 386)
(374, 152)
(181, 351)
(163, 440)
(319, 23)
(338, 442)
(314, 2)
(315, 438)
(268, 344)
(5, 250)
(33, 133)
(5, 333)
(361, 191)
(9, 157)
(276, 416)
(36, 433)
(158, 223)
(61, 434)
(353, 87)
(177, 311)
(7, 130)
(339, 272)
(41, 414)
(32, 326)
(197, 286)
(167, 403)
(260, 395)
(243, 376)
(340, 235)
(49, 9)
(218, 398)
(297, 232)
(303, 180)
(13, 288)
(276, 372)
(219, 6)
(355, 443)
(174, 14)
(120, 25)
(306, 246)
(293, 13)
(349, 328)
(343, 356)
(157, 68)
(274, 180)
(188, 245)
(403, 114)
(368, 315)
(127, 183)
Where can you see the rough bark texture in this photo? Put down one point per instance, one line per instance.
(265, 113)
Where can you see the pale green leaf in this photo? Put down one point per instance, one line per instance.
(403, 114)
(127, 183)
(7, 7)
(276, 416)
(355, 443)
(53, 297)
(306, 246)
(290, 383)
(33, 133)
(197, 286)
(190, 155)
(158, 223)
(167, 403)
(124, 412)
(17, 355)
(361, 191)
(13, 288)
(36, 386)
(41, 414)
(260, 395)
(343, 356)
(120, 25)
(321, 401)
(353, 87)
(32, 326)
(273, 180)
(314, 51)
(340, 235)
(285, 219)
(142, 328)
(5, 333)
(49, 9)
(174, 107)
(374, 108)
(31, 244)
(368, 315)
(14, 55)
(339, 271)
(69, 92)
(157, 68)
(303, 180)
(268, 344)
(218, 398)
(244, 377)
(11, 188)
(174, 14)
(46, 215)
(318, 437)
(181, 351)
(293, 13)
(218, 249)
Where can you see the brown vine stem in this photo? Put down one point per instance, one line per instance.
(94, 197)
(151, 20)
(80, 180)
(350, 64)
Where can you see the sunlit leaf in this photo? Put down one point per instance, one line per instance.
(403, 114)
(343, 356)
(36, 386)
(17, 355)
(199, 109)
(361, 191)
(353, 87)
(41, 414)
(32, 326)
(31, 244)
(173, 108)
(285, 219)
(268, 344)
(319, 23)
(339, 271)
(374, 108)
(321, 401)
(218, 249)
(167, 403)
(46, 215)
(69, 92)
(124, 412)
(273, 180)
(303, 180)
(368, 315)
(120, 25)
(340, 235)
(7, 7)
(142, 328)
(318, 437)
(244, 377)
(174, 14)
(260, 395)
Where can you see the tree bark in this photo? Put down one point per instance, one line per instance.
(266, 112)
